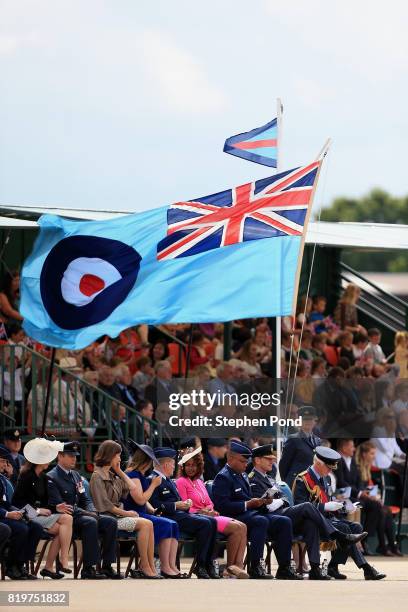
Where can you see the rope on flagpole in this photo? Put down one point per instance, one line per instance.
(325, 154)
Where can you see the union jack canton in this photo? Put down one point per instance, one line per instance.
(269, 208)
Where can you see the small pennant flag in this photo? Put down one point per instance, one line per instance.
(259, 145)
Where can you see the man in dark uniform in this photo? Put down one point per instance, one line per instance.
(167, 500)
(313, 485)
(297, 452)
(214, 458)
(232, 497)
(306, 519)
(67, 493)
(23, 537)
(12, 441)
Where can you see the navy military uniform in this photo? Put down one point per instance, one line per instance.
(297, 452)
(16, 460)
(202, 528)
(309, 486)
(69, 488)
(23, 536)
(231, 491)
(306, 519)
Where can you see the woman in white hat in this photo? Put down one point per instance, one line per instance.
(32, 490)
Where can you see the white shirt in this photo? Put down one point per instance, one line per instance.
(347, 461)
(387, 448)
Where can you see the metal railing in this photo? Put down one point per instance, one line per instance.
(77, 409)
(387, 309)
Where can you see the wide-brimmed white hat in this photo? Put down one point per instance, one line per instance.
(190, 455)
(41, 450)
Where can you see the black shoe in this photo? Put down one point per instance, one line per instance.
(63, 570)
(347, 539)
(27, 575)
(258, 572)
(14, 573)
(285, 572)
(201, 572)
(54, 575)
(213, 571)
(148, 577)
(90, 573)
(111, 573)
(333, 571)
(396, 552)
(317, 574)
(370, 573)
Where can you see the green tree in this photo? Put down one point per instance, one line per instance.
(378, 206)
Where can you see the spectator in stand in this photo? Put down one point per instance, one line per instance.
(376, 516)
(145, 410)
(191, 487)
(9, 298)
(12, 378)
(373, 349)
(162, 386)
(107, 383)
(400, 402)
(359, 346)
(345, 341)
(198, 355)
(223, 381)
(202, 377)
(218, 342)
(384, 393)
(318, 346)
(304, 385)
(214, 458)
(402, 429)
(343, 363)
(305, 351)
(318, 371)
(263, 341)
(389, 453)
(143, 376)
(129, 395)
(158, 353)
(16, 338)
(317, 317)
(162, 415)
(249, 354)
(345, 314)
(401, 353)
(286, 345)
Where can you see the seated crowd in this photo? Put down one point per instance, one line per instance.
(339, 369)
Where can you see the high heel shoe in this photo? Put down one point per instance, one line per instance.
(62, 569)
(143, 575)
(48, 574)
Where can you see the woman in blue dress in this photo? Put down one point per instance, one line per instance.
(166, 531)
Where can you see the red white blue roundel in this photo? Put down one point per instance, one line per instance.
(84, 278)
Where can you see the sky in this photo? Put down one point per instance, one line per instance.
(125, 105)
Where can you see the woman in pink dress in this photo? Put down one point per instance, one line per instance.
(191, 486)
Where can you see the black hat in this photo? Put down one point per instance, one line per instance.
(240, 449)
(328, 455)
(165, 452)
(188, 443)
(134, 446)
(12, 434)
(307, 412)
(216, 442)
(5, 453)
(266, 450)
(72, 448)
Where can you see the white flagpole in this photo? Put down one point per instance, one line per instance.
(278, 322)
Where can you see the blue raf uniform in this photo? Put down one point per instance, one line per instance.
(231, 492)
(23, 537)
(297, 452)
(16, 459)
(68, 487)
(202, 528)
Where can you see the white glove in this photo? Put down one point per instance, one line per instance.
(333, 506)
(275, 505)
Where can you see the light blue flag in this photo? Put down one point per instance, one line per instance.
(228, 256)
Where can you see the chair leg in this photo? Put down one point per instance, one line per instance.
(179, 551)
(269, 550)
(3, 571)
(40, 557)
(118, 556)
(193, 565)
(75, 554)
